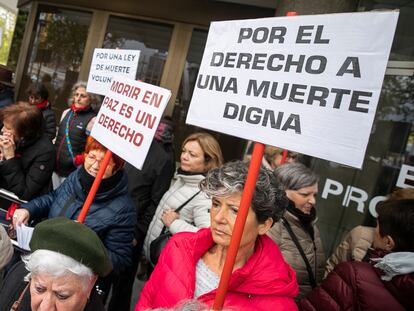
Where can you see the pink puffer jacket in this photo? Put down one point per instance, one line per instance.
(265, 282)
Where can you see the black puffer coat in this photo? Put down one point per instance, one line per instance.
(77, 135)
(112, 214)
(29, 173)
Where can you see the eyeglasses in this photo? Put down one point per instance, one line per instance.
(93, 159)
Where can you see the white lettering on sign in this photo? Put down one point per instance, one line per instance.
(354, 195)
(310, 84)
(406, 177)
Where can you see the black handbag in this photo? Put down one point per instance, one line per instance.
(158, 244)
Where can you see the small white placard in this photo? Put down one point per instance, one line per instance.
(107, 63)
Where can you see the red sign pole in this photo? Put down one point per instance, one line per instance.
(284, 156)
(95, 186)
(246, 199)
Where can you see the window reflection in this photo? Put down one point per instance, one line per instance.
(232, 147)
(403, 45)
(348, 196)
(152, 39)
(188, 80)
(56, 54)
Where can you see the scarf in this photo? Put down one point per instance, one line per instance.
(181, 172)
(43, 105)
(87, 180)
(306, 220)
(77, 109)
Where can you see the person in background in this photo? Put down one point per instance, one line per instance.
(6, 250)
(386, 280)
(38, 96)
(146, 188)
(297, 233)
(111, 215)
(272, 157)
(74, 128)
(48, 84)
(26, 154)
(65, 261)
(200, 153)
(192, 262)
(357, 244)
(6, 87)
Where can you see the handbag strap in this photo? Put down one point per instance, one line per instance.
(302, 253)
(178, 209)
(16, 304)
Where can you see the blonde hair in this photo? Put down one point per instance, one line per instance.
(211, 148)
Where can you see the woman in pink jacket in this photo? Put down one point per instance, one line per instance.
(191, 264)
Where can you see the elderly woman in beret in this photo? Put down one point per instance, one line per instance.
(191, 264)
(65, 260)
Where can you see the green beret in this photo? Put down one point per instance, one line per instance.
(74, 240)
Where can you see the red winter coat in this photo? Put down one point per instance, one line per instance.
(265, 282)
(357, 286)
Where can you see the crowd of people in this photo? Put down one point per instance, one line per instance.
(180, 220)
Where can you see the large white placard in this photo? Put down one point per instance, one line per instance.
(107, 63)
(305, 83)
(128, 118)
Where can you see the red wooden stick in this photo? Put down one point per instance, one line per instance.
(284, 156)
(95, 186)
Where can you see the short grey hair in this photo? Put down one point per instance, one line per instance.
(94, 99)
(56, 264)
(269, 200)
(295, 176)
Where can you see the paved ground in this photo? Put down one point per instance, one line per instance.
(138, 285)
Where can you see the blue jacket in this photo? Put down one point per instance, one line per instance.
(111, 215)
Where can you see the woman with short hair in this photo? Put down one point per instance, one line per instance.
(297, 233)
(26, 154)
(200, 153)
(74, 128)
(192, 262)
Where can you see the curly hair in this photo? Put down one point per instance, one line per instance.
(269, 200)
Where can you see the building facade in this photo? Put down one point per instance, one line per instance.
(60, 36)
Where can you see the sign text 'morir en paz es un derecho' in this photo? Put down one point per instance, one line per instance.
(128, 118)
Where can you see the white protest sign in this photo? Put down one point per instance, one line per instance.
(310, 84)
(107, 63)
(128, 118)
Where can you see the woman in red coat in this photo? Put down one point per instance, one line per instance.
(386, 281)
(191, 264)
